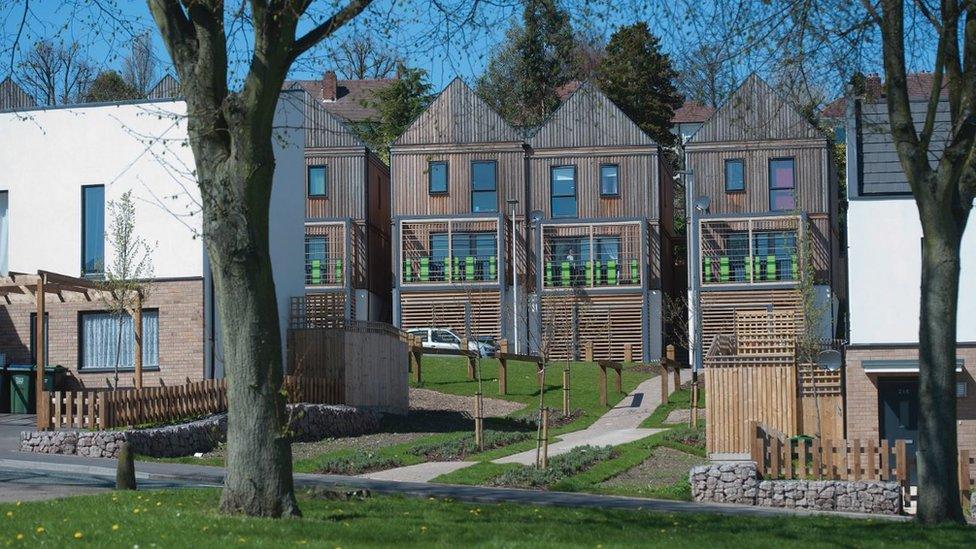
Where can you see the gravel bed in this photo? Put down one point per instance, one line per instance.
(425, 399)
(663, 468)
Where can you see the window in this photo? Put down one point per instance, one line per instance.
(92, 230)
(781, 185)
(100, 341)
(562, 191)
(316, 253)
(33, 338)
(424, 335)
(317, 179)
(608, 180)
(735, 175)
(475, 256)
(437, 177)
(484, 188)
(443, 336)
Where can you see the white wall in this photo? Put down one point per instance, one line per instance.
(48, 155)
(884, 269)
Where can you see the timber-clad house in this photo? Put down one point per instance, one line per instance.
(585, 192)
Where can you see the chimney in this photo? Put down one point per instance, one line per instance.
(329, 86)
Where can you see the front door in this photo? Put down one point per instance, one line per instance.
(899, 413)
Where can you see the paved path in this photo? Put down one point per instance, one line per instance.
(151, 474)
(618, 426)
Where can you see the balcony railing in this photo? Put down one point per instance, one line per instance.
(752, 250)
(450, 251)
(325, 253)
(593, 255)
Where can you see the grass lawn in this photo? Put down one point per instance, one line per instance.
(680, 399)
(187, 518)
(449, 375)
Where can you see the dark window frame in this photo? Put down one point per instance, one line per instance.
(725, 173)
(769, 185)
(85, 273)
(81, 348)
(430, 178)
(494, 164)
(616, 192)
(325, 181)
(575, 195)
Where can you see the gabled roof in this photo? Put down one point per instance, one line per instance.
(456, 116)
(755, 112)
(691, 112)
(167, 87)
(12, 96)
(322, 128)
(919, 85)
(588, 118)
(350, 95)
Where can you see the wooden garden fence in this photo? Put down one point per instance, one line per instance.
(101, 409)
(778, 456)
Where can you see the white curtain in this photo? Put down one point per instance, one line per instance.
(99, 340)
(4, 229)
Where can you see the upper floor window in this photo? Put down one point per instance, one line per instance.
(437, 177)
(562, 191)
(608, 180)
(317, 180)
(782, 185)
(92, 230)
(735, 175)
(484, 187)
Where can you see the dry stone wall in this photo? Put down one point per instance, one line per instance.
(740, 483)
(308, 422)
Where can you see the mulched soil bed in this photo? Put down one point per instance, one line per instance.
(663, 468)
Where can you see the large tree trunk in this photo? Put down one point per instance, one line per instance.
(259, 467)
(938, 494)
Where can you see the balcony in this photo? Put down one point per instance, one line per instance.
(754, 250)
(449, 251)
(325, 253)
(591, 255)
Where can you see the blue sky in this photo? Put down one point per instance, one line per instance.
(414, 29)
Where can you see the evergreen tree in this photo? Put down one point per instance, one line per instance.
(539, 56)
(397, 106)
(110, 86)
(640, 79)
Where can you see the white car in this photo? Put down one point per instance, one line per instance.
(442, 338)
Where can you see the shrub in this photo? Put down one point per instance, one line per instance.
(687, 436)
(358, 463)
(565, 465)
(455, 449)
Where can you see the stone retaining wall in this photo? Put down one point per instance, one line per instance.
(740, 483)
(308, 422)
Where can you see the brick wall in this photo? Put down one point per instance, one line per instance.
(181, 334)
(862, 392)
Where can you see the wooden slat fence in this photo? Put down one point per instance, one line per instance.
(107, 408)
(780, 457)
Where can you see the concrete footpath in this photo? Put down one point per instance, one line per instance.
(174, 474)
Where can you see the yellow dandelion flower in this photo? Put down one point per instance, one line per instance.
(115, 527)
(39, 530)
(423, 529)
(158, 503)
(10, 513)
(17, 504)
(20, 536)
(79, 535)
(136, 510)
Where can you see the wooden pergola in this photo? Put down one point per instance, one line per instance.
(36, 287)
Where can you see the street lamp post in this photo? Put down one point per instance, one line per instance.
(515, 317)
(695, 208)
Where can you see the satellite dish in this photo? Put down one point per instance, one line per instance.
(537, 215)
(829, 360)
(702, 203)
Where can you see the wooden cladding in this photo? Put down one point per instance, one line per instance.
(755, 111)
(637, 183)
(718, 308)
(345, 186)
(323, 129)
(477, 312)
(458, 116)
(810, 166)
(410, 171)
(610, 322)
(589, 119)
